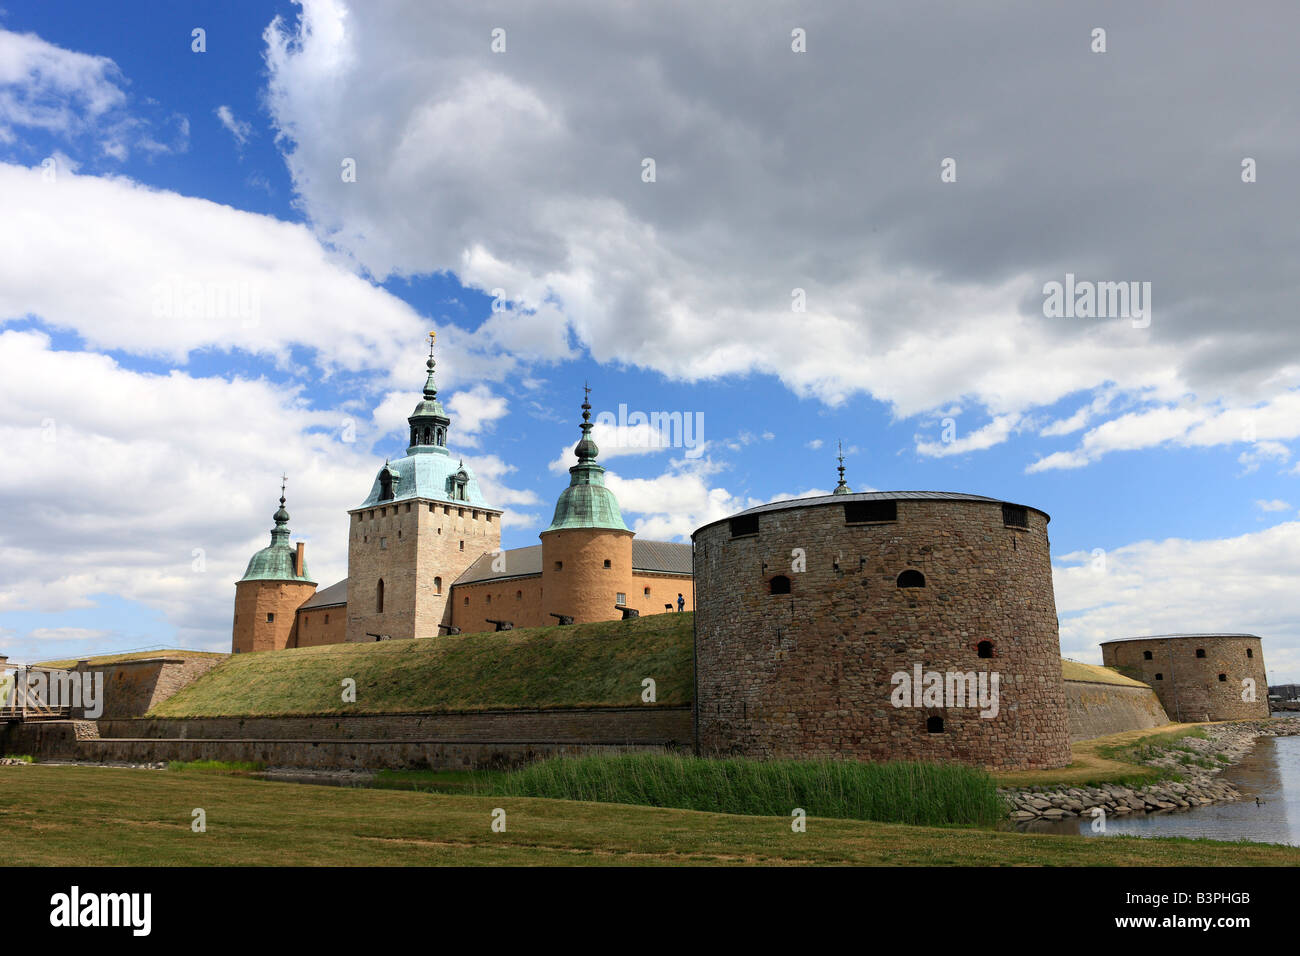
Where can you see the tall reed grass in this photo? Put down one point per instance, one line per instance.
(929, 794)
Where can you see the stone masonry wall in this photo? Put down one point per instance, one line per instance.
(1096, 710)
(417, 548)
(1189, 686)
(808, 674)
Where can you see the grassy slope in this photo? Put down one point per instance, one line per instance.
(1073, 670)
(97, 816)
(599, 664)
(133, 656)
(1100, 760)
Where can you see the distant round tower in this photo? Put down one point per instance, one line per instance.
(587, 550)
(270, 592)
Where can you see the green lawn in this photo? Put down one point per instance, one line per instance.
(99, 816)
(584, 665)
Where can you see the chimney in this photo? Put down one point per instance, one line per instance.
(297, 561)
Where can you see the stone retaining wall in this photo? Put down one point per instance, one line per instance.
(648, 724)
(1096, 710)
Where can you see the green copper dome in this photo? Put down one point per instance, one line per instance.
(275, 563)
(587, 503)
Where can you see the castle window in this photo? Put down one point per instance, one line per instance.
(489, 599)
(911, 579)
(559, 565)
(620, 598)
(379, 597)
(1146, 655)
(745, 525)
(467, 602)
(488, 518)
(1223, 677)
(779, 585)
(1200, 652)
(408, 507)
(475, 516)
(934, 725)
(327, 618)
(866, 512)
(519, 595)
(460, 512)
(647, 592)
(462, 545)
(1015, 516)
(383, 543)
(437, 585)
(386, 485)
(1160, 677)
(984, 649)
(1250, 652)
(270, 618)
(607, 564)
(426, 436)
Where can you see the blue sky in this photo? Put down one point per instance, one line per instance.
(523, 171)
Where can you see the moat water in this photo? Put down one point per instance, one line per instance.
(1270, 772)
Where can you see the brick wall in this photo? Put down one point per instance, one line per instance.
(321, 625)
(808, 673)
(131, 688)
(265, 614)
(1189, 686)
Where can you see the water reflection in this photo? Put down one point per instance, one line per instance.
(1271, 772)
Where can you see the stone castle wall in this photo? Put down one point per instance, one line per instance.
(575, 580)
(520, 599)
(1096, 710)
(809, 673)
(1190, 687)
(254, 602)
(321, 625)
(417, 548)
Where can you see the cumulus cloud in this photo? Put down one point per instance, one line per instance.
(1239, 584)
(75, 96)
(530, 162)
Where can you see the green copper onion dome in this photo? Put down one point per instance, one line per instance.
(275, 563)
(587, 503)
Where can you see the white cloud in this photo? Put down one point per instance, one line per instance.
(239, 129)
(530, 165)
(72, 96)
(1277, 504)
(1239, 584)
(994, 433)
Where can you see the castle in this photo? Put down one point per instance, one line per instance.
(425, 557)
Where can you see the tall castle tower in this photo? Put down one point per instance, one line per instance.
(424, 522)
(587, 550)
(269, 593)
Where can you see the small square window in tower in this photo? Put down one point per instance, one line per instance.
(1015, 516)
(744, 525)
(621, 598)
(1200, 652)
(270, 618)
(607, 563)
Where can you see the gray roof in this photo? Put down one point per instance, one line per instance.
(1162, 637)
(331, 596)
(661, 557)
(833, 499)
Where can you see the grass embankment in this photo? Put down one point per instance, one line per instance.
(133, 656)
(1094, 674)
(99, 816)
(896, 792)
(1110, 759)
(584, 665)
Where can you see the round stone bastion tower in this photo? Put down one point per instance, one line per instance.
(1197, 676)
(880, 626)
